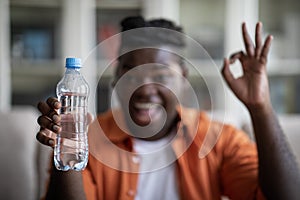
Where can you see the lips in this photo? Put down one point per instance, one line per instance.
(145, 112)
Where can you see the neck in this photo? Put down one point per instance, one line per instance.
(168, 129)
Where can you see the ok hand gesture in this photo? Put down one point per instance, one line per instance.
(252, 88)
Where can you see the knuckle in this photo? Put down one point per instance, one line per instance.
(43, 139)
(51, 113)
(40, 120)
(51, 101)
(39, 136)
(40, 106)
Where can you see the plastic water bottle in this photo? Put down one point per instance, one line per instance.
(71, 149)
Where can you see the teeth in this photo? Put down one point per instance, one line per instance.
(145, 105)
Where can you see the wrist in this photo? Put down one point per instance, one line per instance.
(261, 110)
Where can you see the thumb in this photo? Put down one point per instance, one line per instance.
(227, 73)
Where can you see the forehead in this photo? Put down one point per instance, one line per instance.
(147, 56)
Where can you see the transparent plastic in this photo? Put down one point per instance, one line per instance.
(71, 148)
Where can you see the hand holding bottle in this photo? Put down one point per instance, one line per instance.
(49, 121)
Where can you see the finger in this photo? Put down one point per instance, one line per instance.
(227, 73)
(258, 39)
(238, 55)
(44, 108)
(55, 117)
(46, 137)
(265, 49)
(45, 122)
(247, 41)
(47, 111)
(53, 103)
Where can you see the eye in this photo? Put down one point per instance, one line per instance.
(130, 79)
(163, 78)
(158, 78)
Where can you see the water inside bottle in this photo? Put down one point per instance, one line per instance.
(71, 150)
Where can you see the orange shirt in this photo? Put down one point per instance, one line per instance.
(212, 160)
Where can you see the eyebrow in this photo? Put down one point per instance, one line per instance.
(154, 65)
(162, 66)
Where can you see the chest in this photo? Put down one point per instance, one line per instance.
(188, 175)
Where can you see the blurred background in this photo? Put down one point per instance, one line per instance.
(37, 35)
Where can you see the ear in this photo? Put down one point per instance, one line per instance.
(184, 69)
(185, 73)
(113, 82)
(116, 75)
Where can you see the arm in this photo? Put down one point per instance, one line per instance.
(65, 185)
(279, 175)
(62, 185)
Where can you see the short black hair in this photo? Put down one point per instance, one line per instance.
(171, 38)
(169, 34)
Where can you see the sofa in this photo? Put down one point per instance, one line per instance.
(24, 162)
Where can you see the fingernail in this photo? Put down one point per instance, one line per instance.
(56, 104)
(51, 142)
(55, 118)
(56, 128)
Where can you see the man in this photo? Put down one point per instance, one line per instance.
(151, 147)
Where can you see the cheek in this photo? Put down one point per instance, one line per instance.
(171, 101)
(174, 90)
(170, 97)
(123, 96)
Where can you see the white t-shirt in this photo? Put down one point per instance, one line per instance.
(158, 184)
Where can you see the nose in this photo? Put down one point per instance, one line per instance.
(146, 80)
(147, 88)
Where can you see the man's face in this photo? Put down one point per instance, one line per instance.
(150, 82)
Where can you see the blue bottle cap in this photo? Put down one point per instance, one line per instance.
(73, 62)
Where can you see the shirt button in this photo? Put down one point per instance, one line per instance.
(136, 159)
(131, 193)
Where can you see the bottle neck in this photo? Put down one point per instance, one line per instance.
(72, 70)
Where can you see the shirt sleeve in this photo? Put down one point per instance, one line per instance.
(239, 171)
